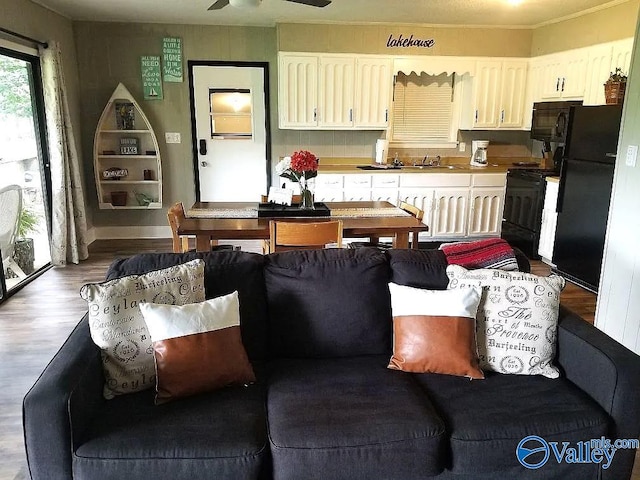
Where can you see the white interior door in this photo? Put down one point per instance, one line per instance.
(232, 167)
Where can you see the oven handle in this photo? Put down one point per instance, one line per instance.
(561, 184)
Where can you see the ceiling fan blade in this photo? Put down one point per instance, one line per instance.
(312, 3)
(219, 4)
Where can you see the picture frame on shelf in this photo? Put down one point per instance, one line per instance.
(129, 146)
(125, 116)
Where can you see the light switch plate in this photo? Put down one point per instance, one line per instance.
(462, 147)
(172, 137)
(632, 155)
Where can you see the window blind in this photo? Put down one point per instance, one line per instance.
(422, 107)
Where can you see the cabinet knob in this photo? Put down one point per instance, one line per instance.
(315, 114)
(204, 164)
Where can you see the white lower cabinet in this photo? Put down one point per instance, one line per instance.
(450, 207)
(455, 205)
(485, 211)
(549, 220)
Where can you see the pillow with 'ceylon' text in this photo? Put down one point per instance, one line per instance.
(434, 330)
(118, 328)
(197, 347)
(517, 319)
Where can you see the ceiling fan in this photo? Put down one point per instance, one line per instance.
(255, 3)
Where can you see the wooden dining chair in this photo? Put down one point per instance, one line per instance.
(407, 207)
(289, 235)
(264, 199)
(180, 243)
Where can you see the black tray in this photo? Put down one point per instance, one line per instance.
(277, 210)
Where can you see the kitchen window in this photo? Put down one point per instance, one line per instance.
(425, 109)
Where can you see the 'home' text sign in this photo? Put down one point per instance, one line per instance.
(404, 42)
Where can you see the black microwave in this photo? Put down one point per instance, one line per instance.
(550, 120)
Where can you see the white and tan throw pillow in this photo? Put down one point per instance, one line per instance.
(118, 328)
(517, 320)
(198, 347)
(434, 330)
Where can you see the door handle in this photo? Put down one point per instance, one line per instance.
(203, 147)
(557, 84)
(562, 89)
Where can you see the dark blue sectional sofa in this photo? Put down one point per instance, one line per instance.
(317, 327)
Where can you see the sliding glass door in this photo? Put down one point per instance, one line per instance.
(25, 208)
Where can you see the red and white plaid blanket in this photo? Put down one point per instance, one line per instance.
(489, 253)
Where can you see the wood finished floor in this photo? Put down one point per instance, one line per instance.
(36, 320)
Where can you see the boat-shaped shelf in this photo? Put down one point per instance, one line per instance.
(125, 143)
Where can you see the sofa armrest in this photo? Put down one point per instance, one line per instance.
(609, 373)
(69, 387)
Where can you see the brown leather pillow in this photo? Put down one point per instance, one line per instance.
(197, 347)
(434, 331)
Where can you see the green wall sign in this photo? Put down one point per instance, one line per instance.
(151, 80)
(172, 59)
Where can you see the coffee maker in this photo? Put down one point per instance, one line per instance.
(479, 153)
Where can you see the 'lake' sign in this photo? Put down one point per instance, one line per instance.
(404, 42)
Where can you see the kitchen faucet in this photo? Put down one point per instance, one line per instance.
(434, 162)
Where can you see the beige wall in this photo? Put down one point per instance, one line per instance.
(109, 53)
(606, 25)
(27, 18)
(500, 42)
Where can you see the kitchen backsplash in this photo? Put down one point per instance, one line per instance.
(361, 144)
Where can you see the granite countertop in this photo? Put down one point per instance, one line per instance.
(448, 165)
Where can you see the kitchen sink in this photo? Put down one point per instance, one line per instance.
(430, 167)
(374, 167)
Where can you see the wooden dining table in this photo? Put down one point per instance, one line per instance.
(209, 221)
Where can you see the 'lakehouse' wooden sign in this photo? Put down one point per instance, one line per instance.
(408, 42)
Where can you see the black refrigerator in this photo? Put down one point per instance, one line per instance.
(586, 179)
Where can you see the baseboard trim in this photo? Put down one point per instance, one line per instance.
(115, 233)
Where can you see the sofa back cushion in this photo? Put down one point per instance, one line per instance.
(224, 272)
(419, 268)
(428, 268)
(328, 303)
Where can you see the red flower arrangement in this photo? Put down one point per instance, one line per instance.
(302, 166)
(303, 162)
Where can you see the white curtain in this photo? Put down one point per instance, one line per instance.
(68, 223)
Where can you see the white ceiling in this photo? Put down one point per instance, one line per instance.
(529, 13)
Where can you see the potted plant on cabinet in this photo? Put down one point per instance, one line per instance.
(615, 87)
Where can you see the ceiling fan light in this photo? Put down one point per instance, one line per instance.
(244, 3)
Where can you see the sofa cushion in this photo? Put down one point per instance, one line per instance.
(486, 420)
(350, 418)
(197, 347)
(220, 434)
(117, 325)
(328, 303)
(225, 271)
(435, 330)
(427, 268)
(517, 320)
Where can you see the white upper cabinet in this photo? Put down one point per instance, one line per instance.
(514, 81)
(563, 74)
(499, 93)
(598, 71)
(374, 82)
(604, 59)
(621, 55)
(487, 94)
(336, 85)
(298, 91)
(334, 92)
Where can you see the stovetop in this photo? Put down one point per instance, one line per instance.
(532, 172)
